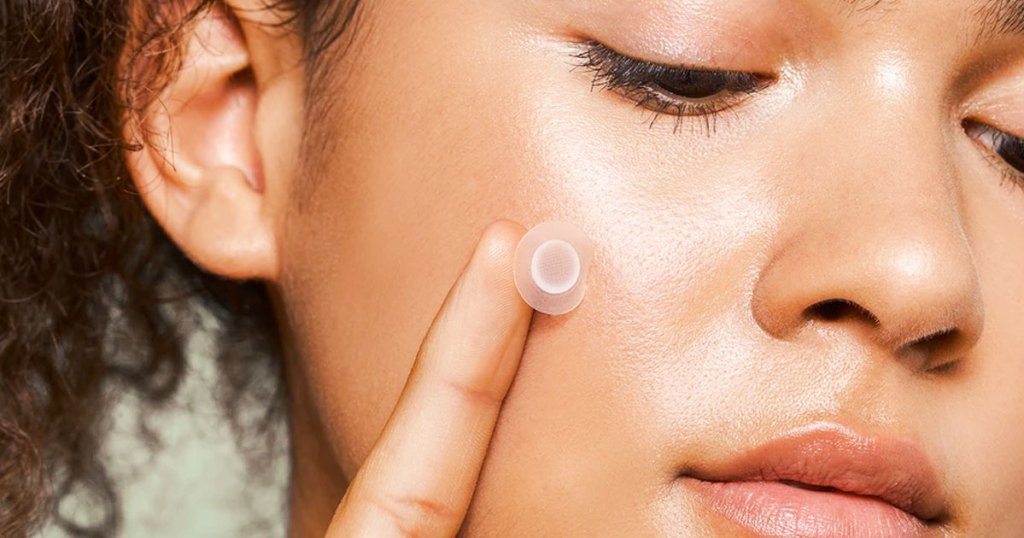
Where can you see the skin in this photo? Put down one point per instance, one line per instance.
(851, 178)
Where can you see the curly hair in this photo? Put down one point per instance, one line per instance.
(95, 301)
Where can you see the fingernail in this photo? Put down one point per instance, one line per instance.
(550, 267)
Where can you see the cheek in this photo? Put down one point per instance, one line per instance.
(980, 430)
(982, 416)
(371, 254)
(449, 146)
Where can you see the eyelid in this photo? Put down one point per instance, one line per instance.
(593, 52)
(984, 132)
(997, 99)
(987, 136)
(993, 125)
(642, 82)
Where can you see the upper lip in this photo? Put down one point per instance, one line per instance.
(831, 456)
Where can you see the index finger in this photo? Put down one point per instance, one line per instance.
(420, 476)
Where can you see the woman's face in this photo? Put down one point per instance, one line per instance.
(824, 258)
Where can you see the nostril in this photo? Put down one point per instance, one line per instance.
(945, 338)
(936, 353)
(834, 309)
(829, 310)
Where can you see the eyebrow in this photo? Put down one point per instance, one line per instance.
(1001, 17)
(994, 17)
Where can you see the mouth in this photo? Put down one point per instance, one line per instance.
(824, 480)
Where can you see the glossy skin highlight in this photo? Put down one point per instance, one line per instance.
(834, 250)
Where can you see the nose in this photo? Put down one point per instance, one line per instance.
(873, 243)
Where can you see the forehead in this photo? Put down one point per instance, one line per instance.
(986, 17)
(749, 34)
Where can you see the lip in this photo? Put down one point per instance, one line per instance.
(825, 480)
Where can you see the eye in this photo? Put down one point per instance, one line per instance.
(1008, 148)
(672, 90)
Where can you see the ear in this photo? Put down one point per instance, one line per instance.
(219, 144)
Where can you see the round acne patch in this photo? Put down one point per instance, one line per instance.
(555, 266)
(551, 265)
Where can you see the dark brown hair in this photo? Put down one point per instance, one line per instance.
(95, 301)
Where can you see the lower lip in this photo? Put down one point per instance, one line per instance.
(778, 509)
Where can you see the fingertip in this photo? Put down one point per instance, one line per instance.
(492, 261)
(499, 239)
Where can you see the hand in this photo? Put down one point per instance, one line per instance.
(420, 476)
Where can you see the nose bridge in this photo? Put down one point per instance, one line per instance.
(874, 227)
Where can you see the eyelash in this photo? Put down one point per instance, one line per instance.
(993, 140)
(649, 85)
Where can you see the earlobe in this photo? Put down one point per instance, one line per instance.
(227, 230)
(199, 171)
